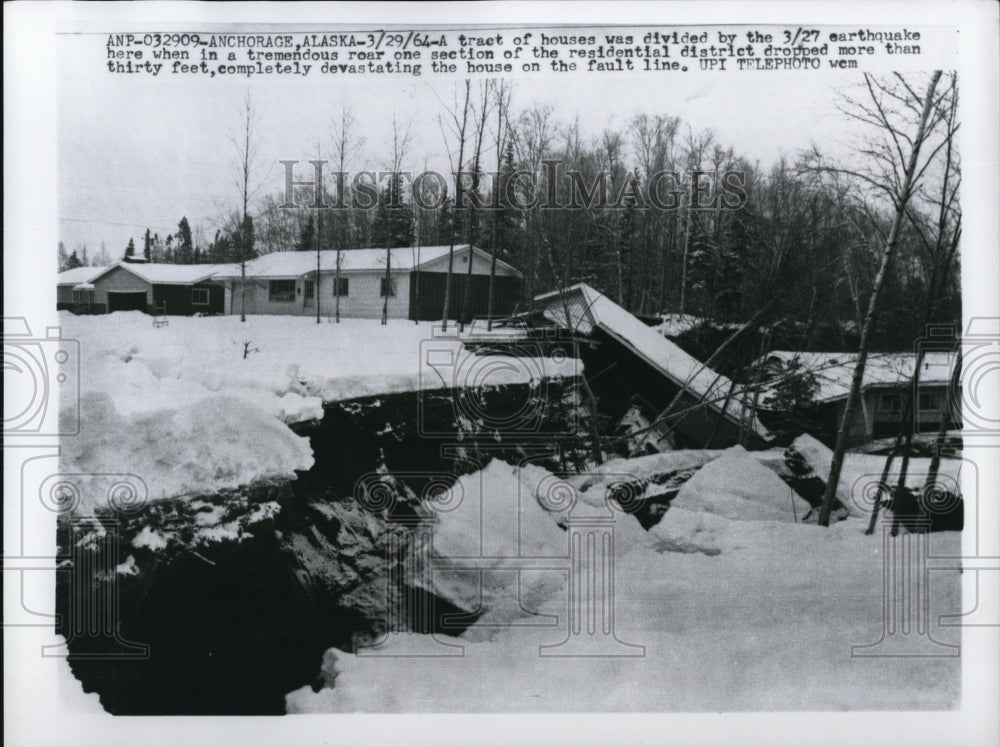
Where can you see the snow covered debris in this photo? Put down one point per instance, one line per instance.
(647, 466)
(861, 472)
(738, 487)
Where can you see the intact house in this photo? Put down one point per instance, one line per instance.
(75, 289)
(178, 290)
(285, 283)
(887, 383)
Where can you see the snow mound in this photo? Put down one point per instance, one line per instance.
(496, 517)
(203, 447)
(687, 531)
(737, 486)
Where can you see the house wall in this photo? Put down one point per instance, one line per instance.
(64, 295)
(870, 420)
(429, 303)
(177, 299)
(362, 302)
(122, 281)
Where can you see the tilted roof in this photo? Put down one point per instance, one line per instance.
(588, 308)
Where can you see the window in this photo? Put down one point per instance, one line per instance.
(281, 290)
(83, 296)
(309, 290)
(930, 401)
(199, 296)
(340, 287)
(381, 287)
(890, 402)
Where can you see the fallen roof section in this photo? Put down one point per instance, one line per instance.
(581, 309)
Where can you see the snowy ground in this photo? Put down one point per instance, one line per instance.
(183, 408)
(736, 612)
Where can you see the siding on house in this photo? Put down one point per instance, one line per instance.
(120, 280)
(362, 301)
(364, 270)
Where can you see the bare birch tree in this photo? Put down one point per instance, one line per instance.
(904, 121)
(455, 125)
(346, 146)
(245, 141)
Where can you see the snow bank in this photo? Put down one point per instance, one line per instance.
(200, 404)
(738, 486)
(202, 446)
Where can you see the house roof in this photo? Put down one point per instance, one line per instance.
(79, 275)
(170, 274)
(834, 371)
(297, 264)
(589, 308)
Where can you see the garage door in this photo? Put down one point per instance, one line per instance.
(127, 301)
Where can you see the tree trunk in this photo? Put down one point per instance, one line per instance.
(840, 448)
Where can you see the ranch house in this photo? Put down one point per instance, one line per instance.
(177, 290)
(286, 283)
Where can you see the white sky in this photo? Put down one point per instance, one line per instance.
(136, 152)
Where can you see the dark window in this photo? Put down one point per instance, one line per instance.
(340, 286)
(930, 401)
(381, 287)
(83, 296)
(309, 290)
(199, 296)
(890, 402)
(281, 290)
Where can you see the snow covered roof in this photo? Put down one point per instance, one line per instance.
(587, 309)
(170, 274)
(79, 275)
(297, 264)
(834, 371)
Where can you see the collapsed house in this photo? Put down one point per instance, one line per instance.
(663, 397)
